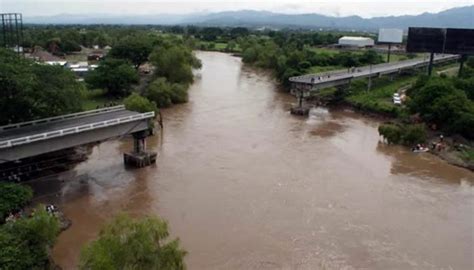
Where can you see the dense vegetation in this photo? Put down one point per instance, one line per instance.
(134, 48)
(289, 57)
(446, 103)
(171, 58)
(126, 243)
(30, 91)
(24, 241)
(116, 76)
(443, 102)
(403, 134)
(137, 103)
(13, 197)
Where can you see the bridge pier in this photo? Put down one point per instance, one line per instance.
(139, 157)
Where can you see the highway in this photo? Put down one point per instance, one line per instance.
(62, 124)
(331, 78)
(46, 135)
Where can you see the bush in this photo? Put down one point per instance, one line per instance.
(13, 197)
(164, 93)
(413, 134)
(115, 75)
(406, 134)
(126, 243)
(390, 132)
(445, 102)
(30, 91)
(24, 243)
(137, 103)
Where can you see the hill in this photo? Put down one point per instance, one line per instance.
(457, 18)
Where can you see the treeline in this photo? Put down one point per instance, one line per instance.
(442, 103)
(172, 61)
(25, 238)
(446, 102)
(288, 57)
(64, 39)
(30, 91)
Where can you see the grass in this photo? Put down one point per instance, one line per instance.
(468, 154)
(329, 51)
(318, 69)
(218, 46)
(325, 92)
(379, 98)
(93, 99)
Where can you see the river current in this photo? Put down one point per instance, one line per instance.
(246, 185)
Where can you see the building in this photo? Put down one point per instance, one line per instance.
(43, 56)
(347, 41)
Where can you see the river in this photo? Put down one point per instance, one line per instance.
(246, 185)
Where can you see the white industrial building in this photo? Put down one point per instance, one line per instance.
(355, 42)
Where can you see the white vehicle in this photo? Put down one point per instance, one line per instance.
(397, 100)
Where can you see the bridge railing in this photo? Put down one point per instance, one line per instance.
(74, 130)
(392, 66)
(62, 117)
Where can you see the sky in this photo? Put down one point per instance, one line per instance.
(365, 9)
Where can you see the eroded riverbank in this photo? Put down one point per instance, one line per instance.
(246, 185)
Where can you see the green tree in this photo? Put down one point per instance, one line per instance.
(164, 93)
(30, 91)
(370, 57)
(24, 243)
(175, 63)
(137, 103)
(250, 55)
(231, 45)
(135, 49)
(444, 101)
(407, 135)
(114, 75)
(126, 243)
(13, 196)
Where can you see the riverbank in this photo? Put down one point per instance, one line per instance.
(377, 103)
(235, 169)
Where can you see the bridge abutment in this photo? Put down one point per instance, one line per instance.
(139, 157)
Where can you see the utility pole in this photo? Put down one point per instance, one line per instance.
(461, 64)
(369, 85)
(388, 54)
(430, 65)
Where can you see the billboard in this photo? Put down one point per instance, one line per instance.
(390, 35)
(459, 41)
(425, 39)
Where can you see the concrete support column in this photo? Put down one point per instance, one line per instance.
(139, 144)
(139, 157)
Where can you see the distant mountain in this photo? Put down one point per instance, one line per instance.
(462, 17)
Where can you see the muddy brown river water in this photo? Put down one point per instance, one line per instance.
(246, 185)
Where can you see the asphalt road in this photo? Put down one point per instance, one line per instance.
(62, 124)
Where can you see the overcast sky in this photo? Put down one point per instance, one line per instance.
(330, 7)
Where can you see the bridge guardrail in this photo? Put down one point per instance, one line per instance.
(62, 117)
(73, 130)
(392, 66)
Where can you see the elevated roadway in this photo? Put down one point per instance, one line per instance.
(340, 77)
(42, 136)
